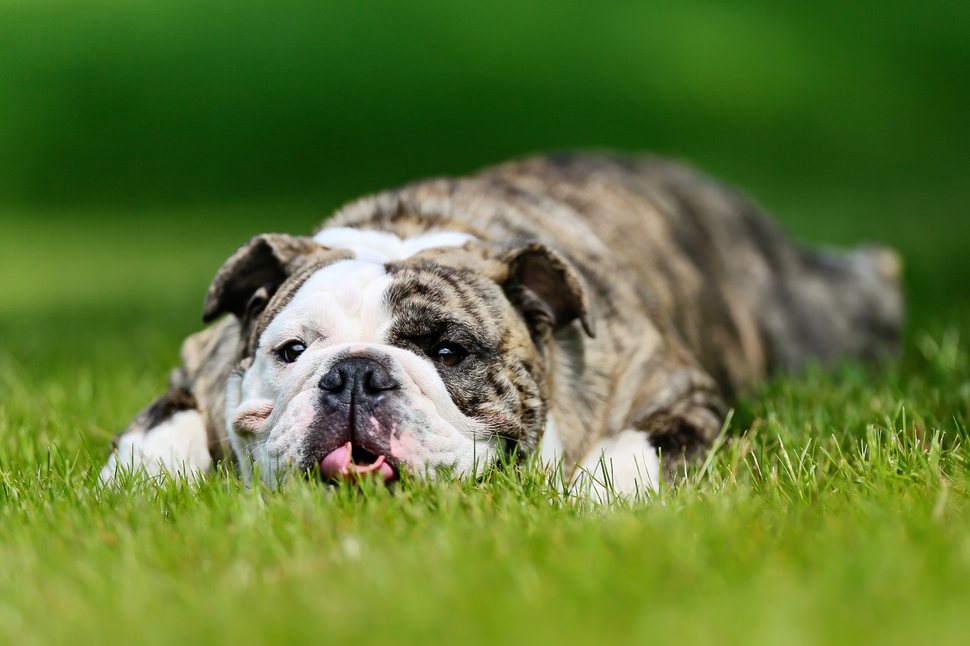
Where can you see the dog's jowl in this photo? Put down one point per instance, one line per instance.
(596, 312)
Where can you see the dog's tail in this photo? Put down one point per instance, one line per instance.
(848, 305)
(879, 272)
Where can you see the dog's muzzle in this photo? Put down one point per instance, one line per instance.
(354, 397)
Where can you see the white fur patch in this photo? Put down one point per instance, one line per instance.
(340, 303)
(550, 446)
(381, 247)
(177, 446)
(625, 465)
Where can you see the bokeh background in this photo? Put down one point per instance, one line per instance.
(142, 141)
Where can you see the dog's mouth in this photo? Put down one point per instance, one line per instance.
(352, 461)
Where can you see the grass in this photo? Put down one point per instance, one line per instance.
(836, 511)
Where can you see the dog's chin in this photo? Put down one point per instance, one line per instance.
(353, 462)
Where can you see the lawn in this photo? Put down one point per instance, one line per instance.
(836, 510)
(142, 141)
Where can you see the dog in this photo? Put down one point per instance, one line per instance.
(598, 312)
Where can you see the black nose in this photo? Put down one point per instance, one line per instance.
(357, 376)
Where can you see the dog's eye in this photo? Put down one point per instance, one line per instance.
(291, 351)
(449, 354)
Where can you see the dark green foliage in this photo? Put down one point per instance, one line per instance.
(162, 101)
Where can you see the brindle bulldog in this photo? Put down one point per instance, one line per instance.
(595, 311)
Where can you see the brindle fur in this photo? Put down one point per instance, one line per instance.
(693, 294)
(501, 381)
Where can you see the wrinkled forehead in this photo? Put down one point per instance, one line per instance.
(389, 285)
(344, 301)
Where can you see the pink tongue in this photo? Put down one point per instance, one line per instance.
(340, 463)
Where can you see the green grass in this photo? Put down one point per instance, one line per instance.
(837, 511)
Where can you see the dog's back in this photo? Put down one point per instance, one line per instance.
(743, 298)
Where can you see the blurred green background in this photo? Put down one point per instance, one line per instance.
(169, 101)
(140, 142)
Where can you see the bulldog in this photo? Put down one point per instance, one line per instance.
(597, 312)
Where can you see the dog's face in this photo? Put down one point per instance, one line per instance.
(366, 355)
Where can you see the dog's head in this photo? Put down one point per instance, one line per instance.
(366, 354)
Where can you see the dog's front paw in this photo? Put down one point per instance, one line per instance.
(177, 446)
(623, 466)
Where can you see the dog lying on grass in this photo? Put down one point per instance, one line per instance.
(594, 311)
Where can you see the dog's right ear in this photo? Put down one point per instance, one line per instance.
(245, 283)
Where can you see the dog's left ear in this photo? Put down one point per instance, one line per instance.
(546, 288)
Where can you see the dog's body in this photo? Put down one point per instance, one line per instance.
(606, 306)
